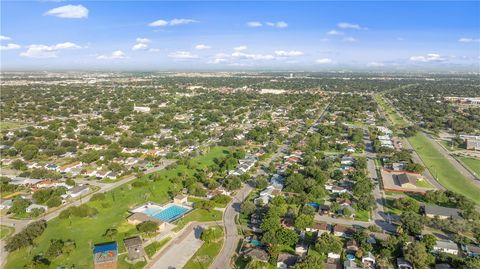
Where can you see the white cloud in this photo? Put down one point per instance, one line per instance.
(431, 57)
(10, 46)
(291, 53)
(154, 50)
(202, 47)
(142, 40)
(174, 22)
(140, 46)
(255, 57)
(350, 39)
(218, 61)
(44, 51)
(182, 55)
(254, 24)
(2, 37)
(375, 64)
(334, 32)
(324, 61)
(279, 24)
(118, 54)
(240, 48)
(69, 12)
(468, 40)
(346, 25)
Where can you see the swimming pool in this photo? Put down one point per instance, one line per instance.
(170, 213)
(167, 213)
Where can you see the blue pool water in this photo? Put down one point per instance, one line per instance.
(256, 242)
(351, 257)
(169, 213)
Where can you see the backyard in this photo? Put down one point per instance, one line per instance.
(442, 169)
(112, 213)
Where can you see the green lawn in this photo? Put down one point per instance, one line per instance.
(122, 264)
(423, 184)
(112, 214)
(5, 231)
(206, 253)
(473, 164)
(362, 215)
(442, 169)
(200, 215)
(5, 125)
(155, 246)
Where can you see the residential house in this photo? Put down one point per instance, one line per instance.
(301, 249)
(446, 246)
(352, 246)
(68, 168)
(6, 204)
(286, 260)
(368, 260)
(403, 264)
(349, 264)
(31, 207)
(406, 180)
(471, 251)
(319, 227)
(78, 191)
(441, 212)
(343, 231)
(256, 254)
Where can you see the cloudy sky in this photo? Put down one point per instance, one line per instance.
(155, 35)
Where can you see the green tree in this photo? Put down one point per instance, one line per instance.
(412, 223)
(429, 241)
(416, 253)
(147, 227)
(311, 262)
(303, 221)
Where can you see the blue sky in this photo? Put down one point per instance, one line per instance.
(158, 35)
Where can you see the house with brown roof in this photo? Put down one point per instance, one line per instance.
(319, 227)
(406, 180)
(134, 247)
(343, 231)
(138, 217)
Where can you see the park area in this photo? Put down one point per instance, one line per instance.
(112, 214)
(442, 169)
(393, 116)
(472, 164)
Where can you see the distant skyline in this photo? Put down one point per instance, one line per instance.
(310, 36)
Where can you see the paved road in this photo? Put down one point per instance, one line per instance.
(380, 218)
(223, 259)
(180, 250)
(20, 224)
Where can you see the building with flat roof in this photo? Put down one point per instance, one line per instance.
(441, 212)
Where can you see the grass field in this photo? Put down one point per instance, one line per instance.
(200, 215)
(473, 164)
(423, 184)
(5, 231)
(123, 264)
(442, 169)
(151, 249)
(112, 214)
(206, 253)
(393, 116)
(362, 215)
(6, 125)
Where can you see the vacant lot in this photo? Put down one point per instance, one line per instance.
(112, 214)
(6, 125)
(443, 170)
(207, 252)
